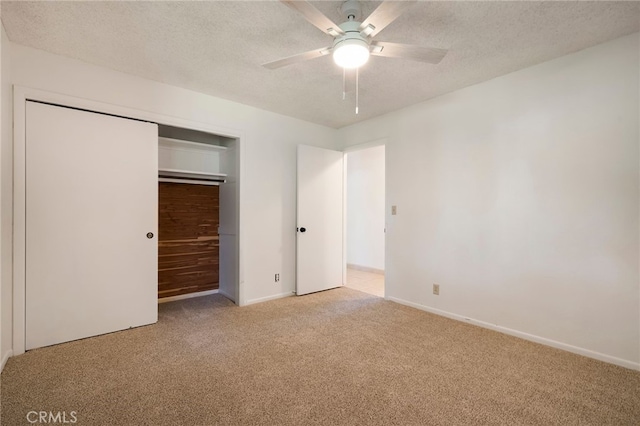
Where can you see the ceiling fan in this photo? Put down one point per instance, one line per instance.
(353, 40)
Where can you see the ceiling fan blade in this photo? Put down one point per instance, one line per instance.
(300, 57)
(385, 14)
(314, 16)
(431, 55)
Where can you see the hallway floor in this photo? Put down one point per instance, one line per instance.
(367, 282)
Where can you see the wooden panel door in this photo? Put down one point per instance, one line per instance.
(320, 219)
(91, 200)
(188, 244)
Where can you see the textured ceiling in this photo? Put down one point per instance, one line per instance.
(217, 47)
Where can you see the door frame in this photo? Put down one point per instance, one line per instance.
(23, 94)
(346, 150)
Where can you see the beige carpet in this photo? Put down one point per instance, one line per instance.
(339, 357)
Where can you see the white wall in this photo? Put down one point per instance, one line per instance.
(520, 197)
(6, 193)
(268, 152)
(192, 157)
(365, 208)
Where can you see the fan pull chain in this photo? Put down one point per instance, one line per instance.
(344, 83)
(357, 87)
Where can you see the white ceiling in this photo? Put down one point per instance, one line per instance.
(217, 47)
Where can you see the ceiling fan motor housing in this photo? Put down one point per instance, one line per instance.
(351, 50)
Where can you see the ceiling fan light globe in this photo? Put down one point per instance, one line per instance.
(351, 54)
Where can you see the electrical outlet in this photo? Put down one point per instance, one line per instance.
(277, 277)
(394, 210)
(436, 289)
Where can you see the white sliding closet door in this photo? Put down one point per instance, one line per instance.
(91, 199)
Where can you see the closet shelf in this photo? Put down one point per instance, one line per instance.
(191, 144)
(190, 175)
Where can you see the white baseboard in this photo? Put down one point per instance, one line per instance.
(533, 338)
(365, 269)
(266, 299)
(187, 296)
(5, 358)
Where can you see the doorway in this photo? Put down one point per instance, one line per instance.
(365, 219)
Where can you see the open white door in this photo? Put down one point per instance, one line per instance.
(91, 224)
(320, 219)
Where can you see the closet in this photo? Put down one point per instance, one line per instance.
(192, 168)
(108, 204)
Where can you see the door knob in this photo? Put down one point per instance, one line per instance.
(303, 229)
(149, 235)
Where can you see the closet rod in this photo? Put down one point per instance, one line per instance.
(190, 182)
